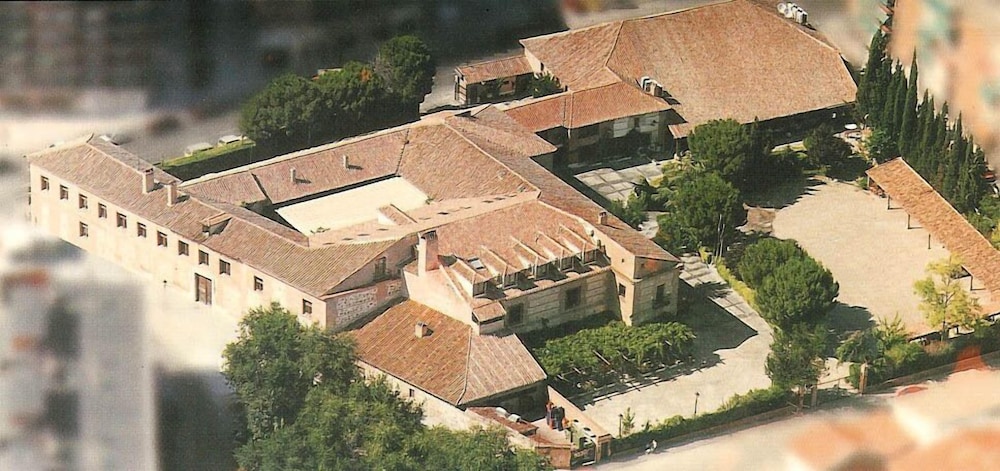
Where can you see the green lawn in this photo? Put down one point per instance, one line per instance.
(216, 159)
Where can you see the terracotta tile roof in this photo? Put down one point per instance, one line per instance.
(733, 59)
(561, 195)
(452, 363)
(236, 189)
(113, 174)
(493, 69)
(919, 199)
(317, 169)
(576, 109)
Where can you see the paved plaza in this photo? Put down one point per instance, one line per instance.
(867, 247)
(729, 354)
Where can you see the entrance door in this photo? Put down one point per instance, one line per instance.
(202, 289)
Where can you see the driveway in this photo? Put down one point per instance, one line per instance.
(729, 354)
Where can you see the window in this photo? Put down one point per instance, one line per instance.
(515, 314)
(45, 183)
(182, 247)
(83, 202)
(258, 284)
(509, 279)
(380, 269)
(573, 297)
(161, 239)
(307, 308)
(225, 268)
(140, 230)
(202, 257)
(122, 221)
(621, 289)
(102, 211)
(661, 295)
(84, 230)
(411, 393)
(63, 192)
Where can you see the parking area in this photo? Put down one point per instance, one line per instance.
(868, 248)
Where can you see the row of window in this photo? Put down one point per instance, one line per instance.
(183, 249)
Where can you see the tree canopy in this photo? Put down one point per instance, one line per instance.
(761, 258)
(943, 301)
(702, 209)
(408, 68)
(732, 150)
(355, 100)
(825, 148)
(796, 358)
(307, 407)
(798, 291)
(284, 112)
(544, 84)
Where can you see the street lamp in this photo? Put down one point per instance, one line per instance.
(620, 420)
(696, 395)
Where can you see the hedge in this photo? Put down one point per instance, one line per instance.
(754, 402)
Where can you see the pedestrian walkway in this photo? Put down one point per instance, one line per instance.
(729, 354)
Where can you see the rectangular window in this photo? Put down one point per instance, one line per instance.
(411, 393)
(307, 308)
(515, 314)
(202, 257)
(161, 239)
(102, 211)
(45, 183)
(140, 230)
(83, 202)
(621, 289)
(573, 297)
(380, 269)
(84, 230)
(258, 284)
(225, 268)
(122, 221)
(661, 295)
(63, 192)
(182, 247)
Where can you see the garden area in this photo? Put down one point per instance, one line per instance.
(217, 159)
(603, 351)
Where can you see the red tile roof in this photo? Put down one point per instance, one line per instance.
(452, 363)
(733, 59)
(918, 198)
(576, 109)
(494, 69)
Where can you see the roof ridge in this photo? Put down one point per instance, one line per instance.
(468, 362)
(490, 156)
(571, 31)
(519, 55)
(75, 142)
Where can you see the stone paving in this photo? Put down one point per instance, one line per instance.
(729, 356)
(617, 184)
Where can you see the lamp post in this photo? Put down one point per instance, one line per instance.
(620, 420)
(696, 395)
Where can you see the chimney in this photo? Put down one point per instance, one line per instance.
(421, 330)
(347, 162)
(294, 177)
(427, 253)
(171, 193)
(147, 181)
(602, 218)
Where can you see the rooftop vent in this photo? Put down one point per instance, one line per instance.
(294, 177)
(476, 263)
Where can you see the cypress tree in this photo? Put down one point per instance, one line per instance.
(908, 131)
(927, 134)
(900, 90)
(889, 105)
(870, 94)
(953, 162)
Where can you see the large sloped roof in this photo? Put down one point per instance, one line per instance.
(579, 108)
(453, 363)
(734, 59)
(918, 198)
(492, 69)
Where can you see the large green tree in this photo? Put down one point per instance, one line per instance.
(798, 291)
(796, 358)
(761, 259)
(406, 64)
(479, 449)
(730, 149)
(355, 100)
(704, 208)
(284, 113)
(824, 148)
(908, 132)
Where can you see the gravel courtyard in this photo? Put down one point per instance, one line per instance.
(869, 249)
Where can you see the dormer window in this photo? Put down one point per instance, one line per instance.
(509, 280)
(478, 289)
(565, 263)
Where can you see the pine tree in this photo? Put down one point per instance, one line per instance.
(908, 131)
